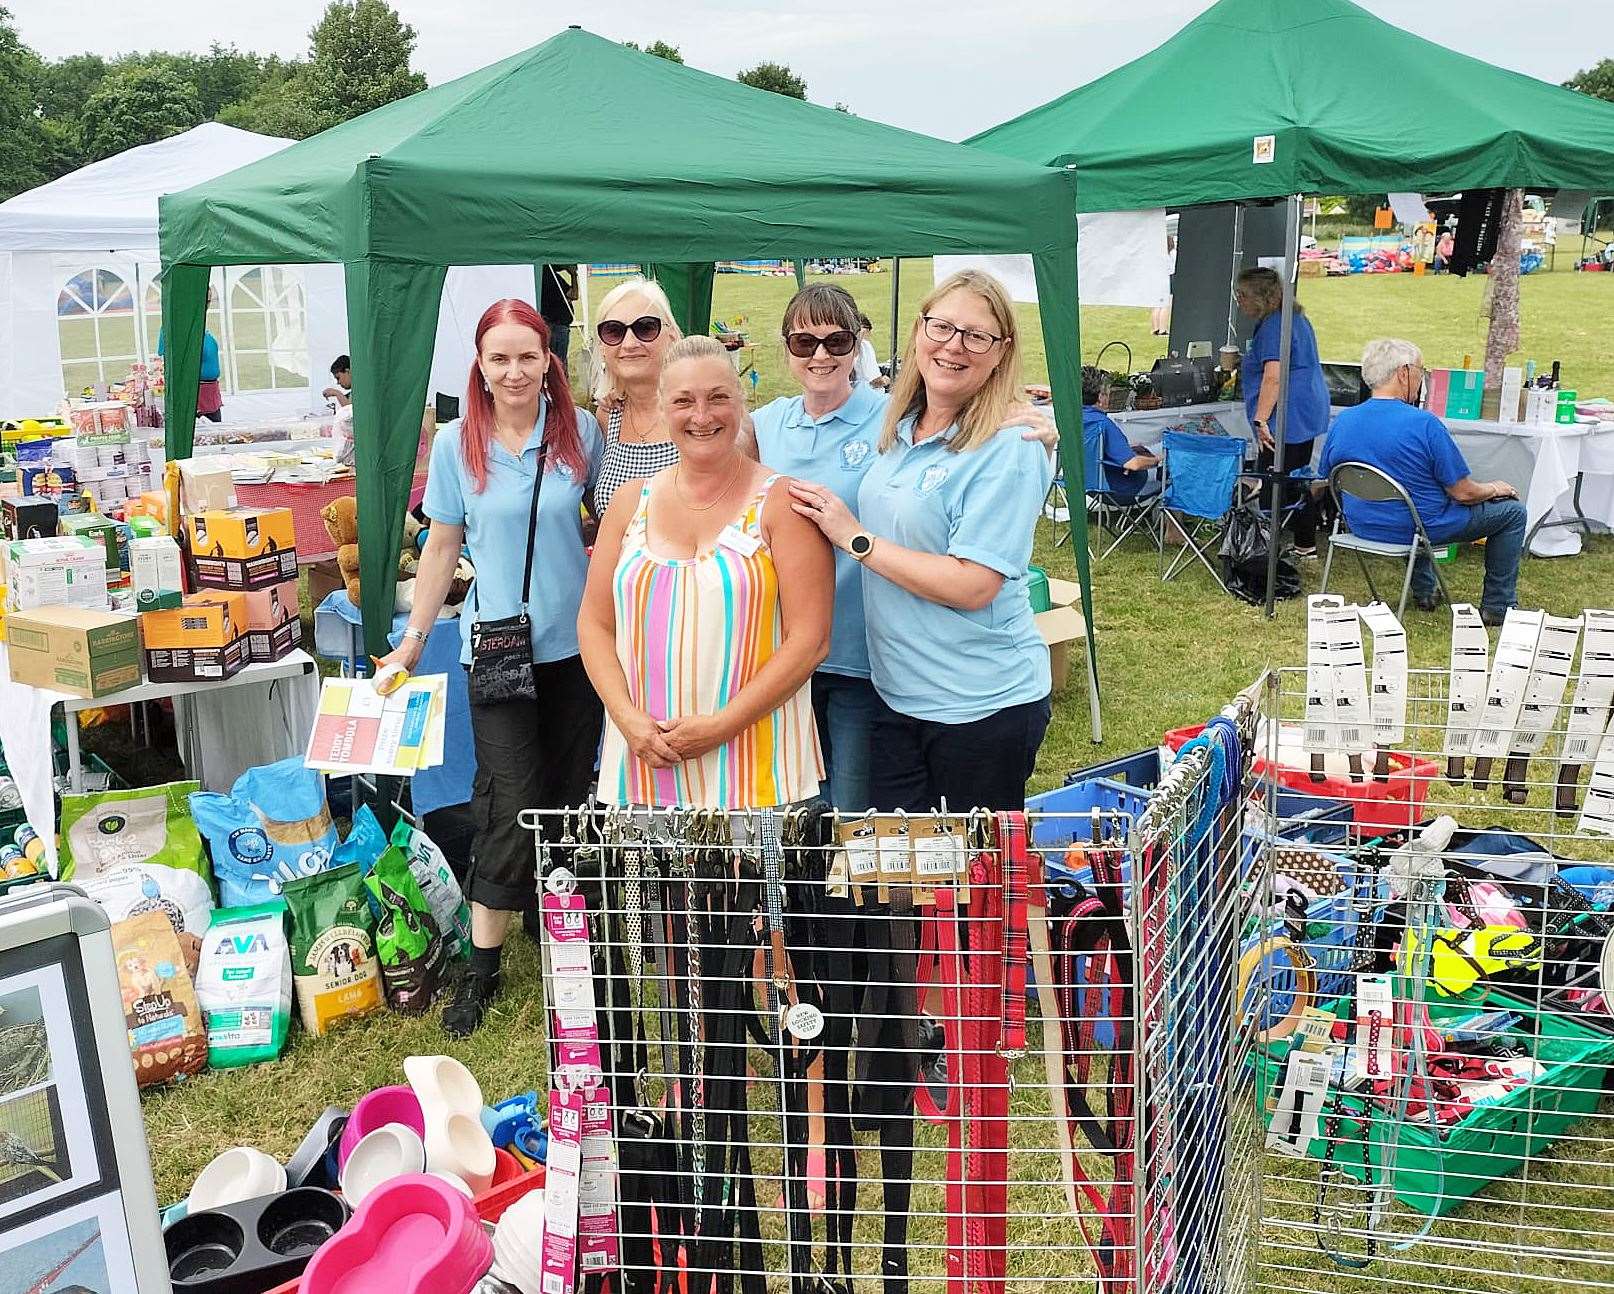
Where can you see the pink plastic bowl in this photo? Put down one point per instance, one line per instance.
(377, 1109)
(413, 1235)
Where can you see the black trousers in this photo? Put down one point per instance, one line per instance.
(983, 764)
(1302, 522)
(529, 755)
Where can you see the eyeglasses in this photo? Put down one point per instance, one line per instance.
(804, 345)
(975, 341)
(612, 331)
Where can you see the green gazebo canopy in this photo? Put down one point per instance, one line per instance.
(1350, 103)
(652, 162)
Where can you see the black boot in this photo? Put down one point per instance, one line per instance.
(463, 1016)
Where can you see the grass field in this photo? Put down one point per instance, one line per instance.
(1169, 655)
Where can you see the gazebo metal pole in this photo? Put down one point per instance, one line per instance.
(1291, 240)
(896, 302)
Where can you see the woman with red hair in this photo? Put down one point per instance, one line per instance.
(518, 465)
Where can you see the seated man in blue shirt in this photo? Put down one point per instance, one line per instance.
(1412, 447)
(1126, 467)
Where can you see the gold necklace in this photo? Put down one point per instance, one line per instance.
(632, 433)
(722, 494)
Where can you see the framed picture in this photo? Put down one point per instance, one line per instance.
(84, 1249)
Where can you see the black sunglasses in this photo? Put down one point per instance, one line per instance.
(804, 345)
(611, 331)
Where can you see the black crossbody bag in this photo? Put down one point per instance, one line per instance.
(501, 650)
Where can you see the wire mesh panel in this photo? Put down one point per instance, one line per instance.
(1426, 984)
(974, 1052)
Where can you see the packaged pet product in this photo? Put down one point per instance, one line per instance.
(244, 985)
(147, 833)
(272, 828)
(332, 947)
(407, 940)
(166, 1036)
(440, 886)
(182, 896)
(364, 843)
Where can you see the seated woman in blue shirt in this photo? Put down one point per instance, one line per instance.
(1126, 466)
(827, 435)
(944, 527)
(1412, 447)
(1260, 295)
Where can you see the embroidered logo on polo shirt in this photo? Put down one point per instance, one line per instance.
(853, 454)
(930, 479)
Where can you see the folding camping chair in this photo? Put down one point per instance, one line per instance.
(1361, 481)
(1117, 514)
(1201, 476)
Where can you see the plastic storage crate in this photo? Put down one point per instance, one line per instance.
(1493, 1141)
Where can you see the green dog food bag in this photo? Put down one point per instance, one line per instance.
(407, 939)
(333, 961)
(244, 985)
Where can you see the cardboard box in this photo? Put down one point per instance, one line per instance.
(154, 565)
(69, 649)
(208, 619)
(150, 503)
(273, 628)
(29, 518)
(104, 531)
(1061, 628)
(195, 664)
(242, 532)
(69, 570)
(205, 484)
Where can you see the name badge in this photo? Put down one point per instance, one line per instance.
(735, 538)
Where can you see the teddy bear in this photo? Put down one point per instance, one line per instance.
(341, 518)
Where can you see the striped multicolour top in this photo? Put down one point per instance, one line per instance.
(690, 633)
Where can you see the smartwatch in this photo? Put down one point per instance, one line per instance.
(860, 546)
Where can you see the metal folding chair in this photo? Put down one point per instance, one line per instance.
(1365, 482)
(1112, 513)
(1201, 476)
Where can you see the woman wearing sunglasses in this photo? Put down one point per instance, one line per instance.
(634, 330)
(947, 505)
(829, 434)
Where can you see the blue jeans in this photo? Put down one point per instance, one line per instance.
(845, 708)
(1501, 523)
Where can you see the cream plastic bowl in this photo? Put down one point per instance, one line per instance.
(392, 1150)
(240, 1173)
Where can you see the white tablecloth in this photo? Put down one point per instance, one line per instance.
(1539, 462)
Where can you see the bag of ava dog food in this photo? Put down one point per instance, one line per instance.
(333, 962)
(244, 985)
(166, 1036)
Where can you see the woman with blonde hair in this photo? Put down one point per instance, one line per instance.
(706, 611)
(943, 530)
(635, 328)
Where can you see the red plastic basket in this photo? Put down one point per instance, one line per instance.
(490, 1207)
(1380, 806)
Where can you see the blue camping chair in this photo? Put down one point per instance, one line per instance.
(1117, 514)
(1201, 477)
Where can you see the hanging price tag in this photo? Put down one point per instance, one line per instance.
(1515, 655)
(895, 850)
(1388, 703)
(859, 843)
(1467, 681)
(1594, 693)
(1317, 731)
(1549, 679)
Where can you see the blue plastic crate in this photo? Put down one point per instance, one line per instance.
(1081, 798)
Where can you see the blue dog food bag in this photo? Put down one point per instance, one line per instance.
(273, 827)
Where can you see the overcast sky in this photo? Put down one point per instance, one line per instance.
(945, 67)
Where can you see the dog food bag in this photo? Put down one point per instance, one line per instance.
(333, 962)
(106, 830)
(440, 886)
(182, 896)
(167, 1038)
(407, 940)
(273, 827)
(244, 985)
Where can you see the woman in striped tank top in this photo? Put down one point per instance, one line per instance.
(707, 609)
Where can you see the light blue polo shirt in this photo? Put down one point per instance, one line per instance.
(835, 451)
(931, 661)
(495, 524)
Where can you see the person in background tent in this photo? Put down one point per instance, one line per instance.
(341, 389)
(1443, 250)
(1413, 447)
(1126, 466)
(1260, 296)
(479, 495)
(867, 372)
(209, 394)
(557, 303)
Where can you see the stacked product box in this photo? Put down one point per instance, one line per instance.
(203, 639)
(108, 457)
(252, 552)
(67, 570)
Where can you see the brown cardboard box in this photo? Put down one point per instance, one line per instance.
(273, 629)
(241, 532)
(194, 664)
(211, 618)
(204, 484)
(1062, 627)
(71, 649)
